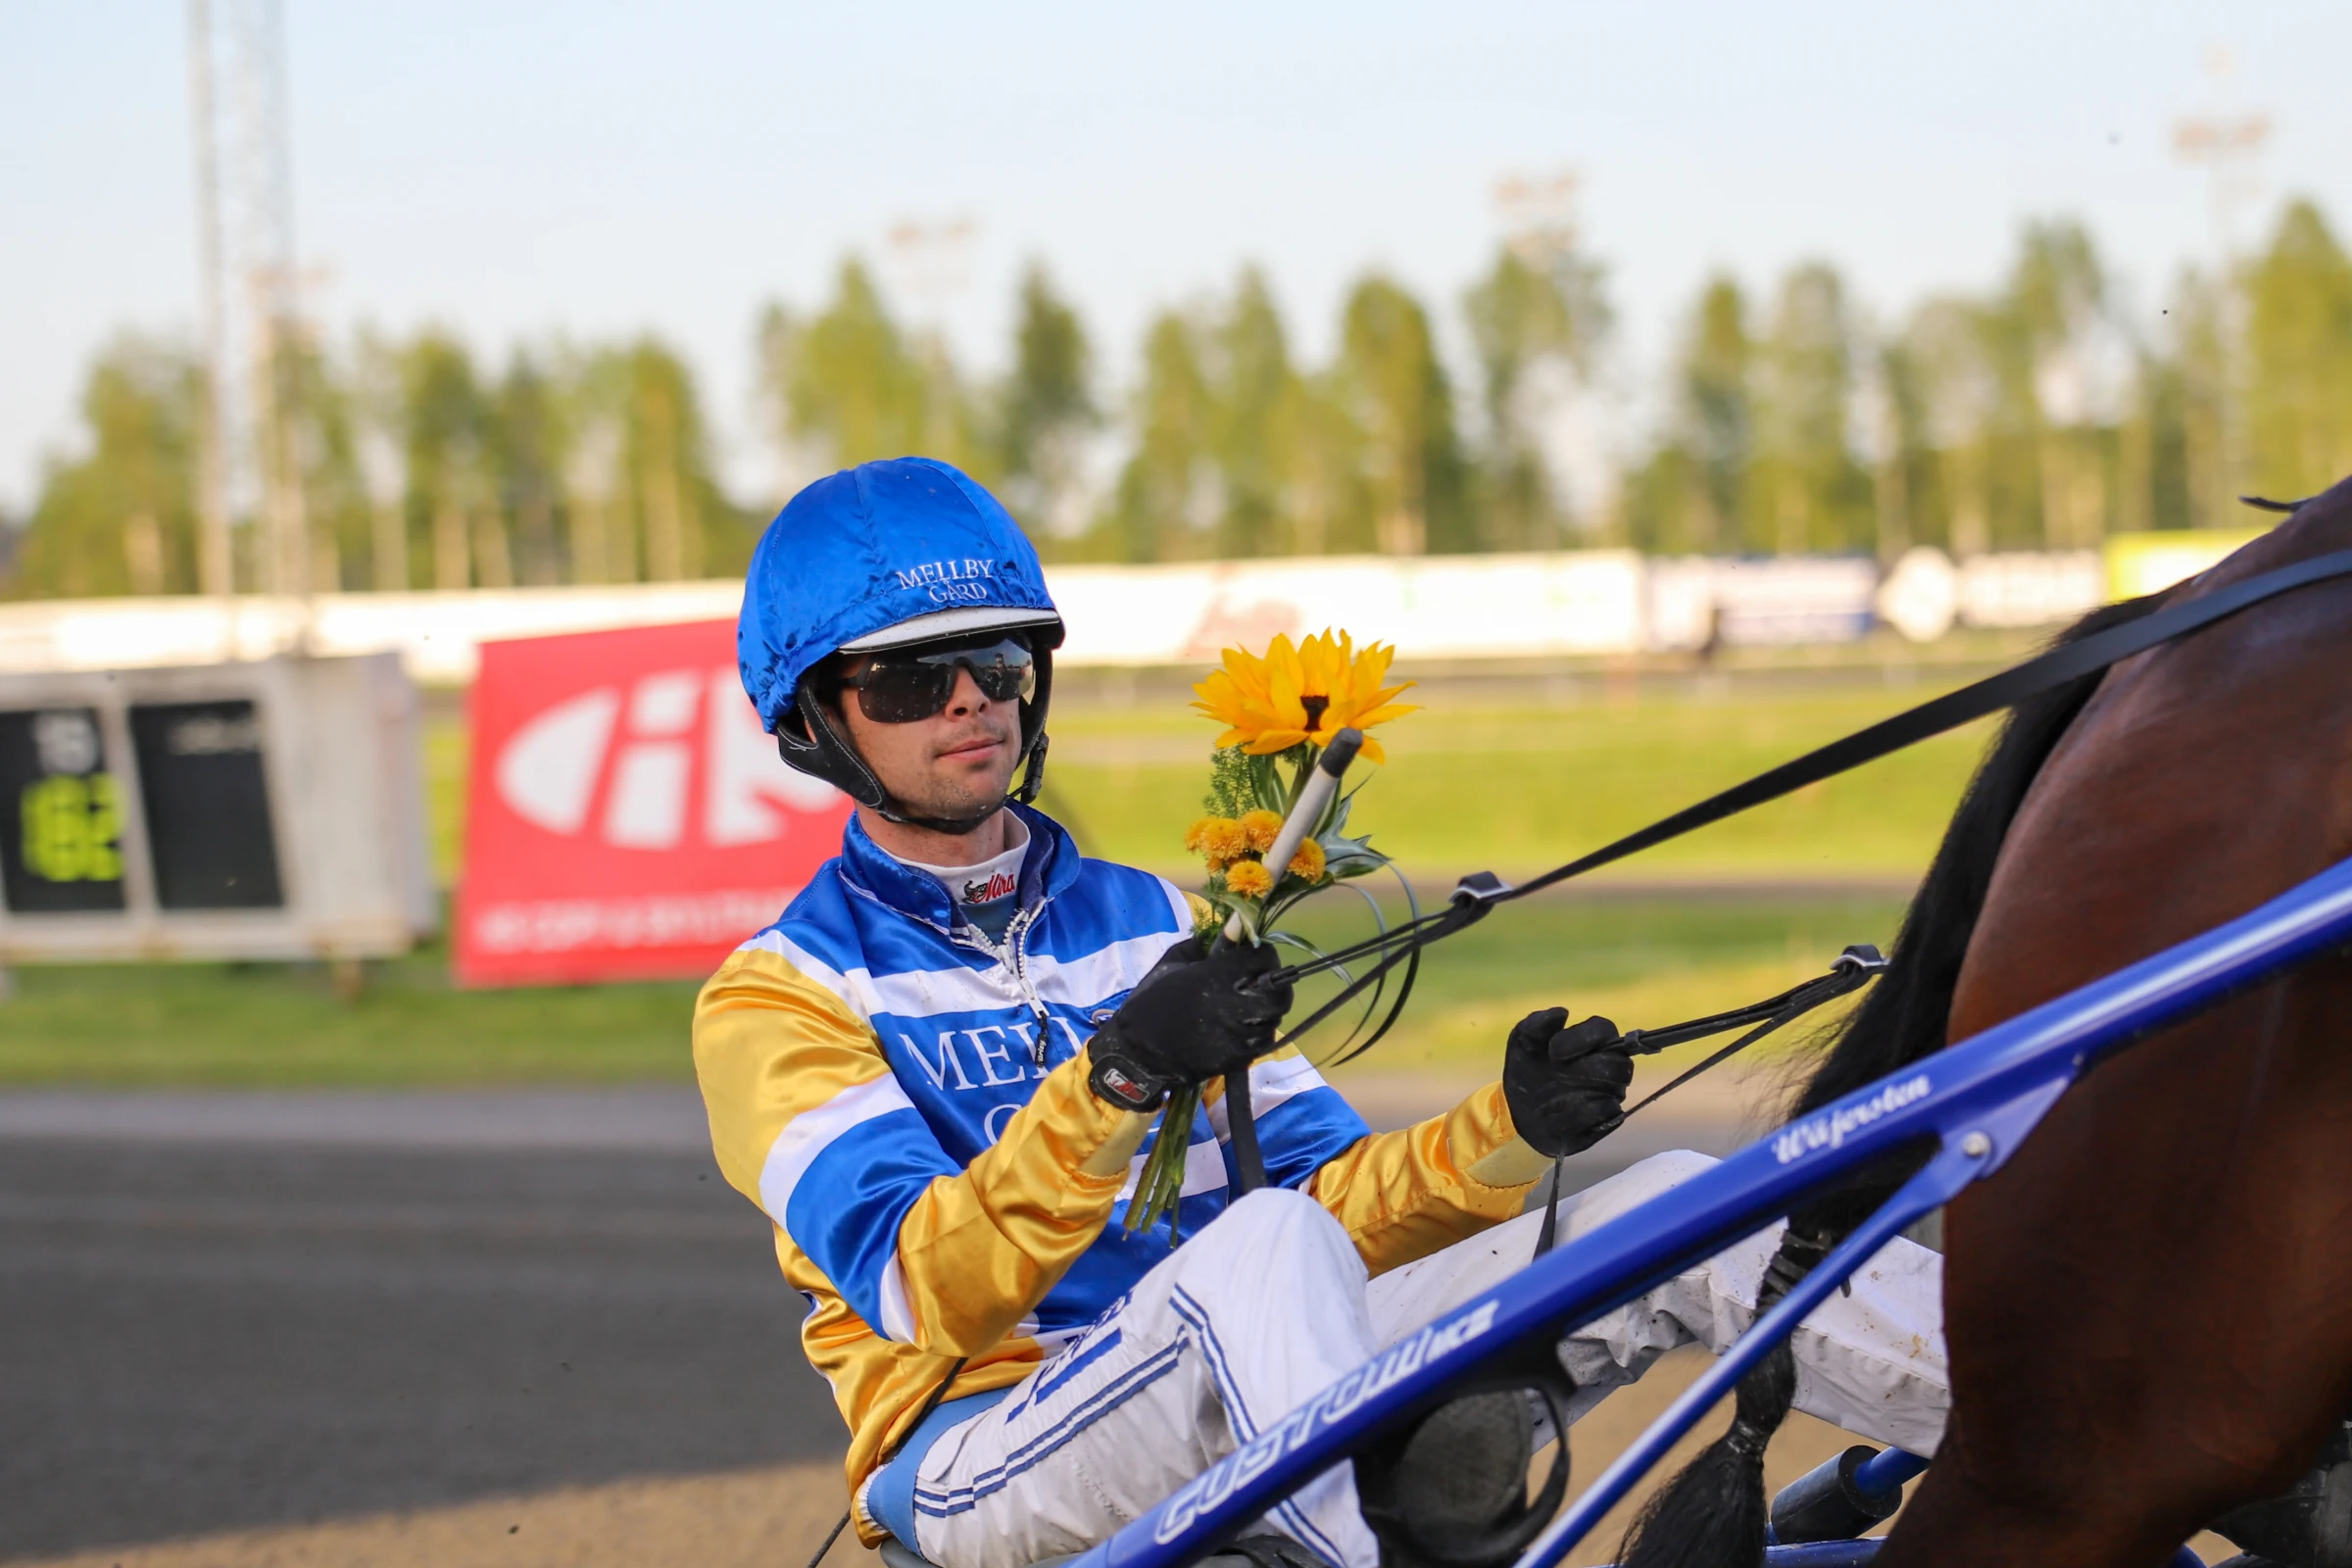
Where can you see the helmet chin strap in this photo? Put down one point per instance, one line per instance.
(953, 827)
(867, 790)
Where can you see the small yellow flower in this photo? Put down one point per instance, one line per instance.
(1309, 691)
(1263, 828)
(1307, 864)
(1217, 839)
(1249, 879)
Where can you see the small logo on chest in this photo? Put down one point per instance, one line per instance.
(1000, 885)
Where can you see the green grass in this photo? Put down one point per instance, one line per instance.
(1518, 786)
(1493, 777)
(1481, 781)
(277, 1024)
(1639, 959)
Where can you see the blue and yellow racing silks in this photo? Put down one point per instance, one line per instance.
(908, 1103)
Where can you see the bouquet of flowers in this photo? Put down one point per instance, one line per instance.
(1279, 712)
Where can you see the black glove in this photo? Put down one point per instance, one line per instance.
(1565, 1087)
(1193, 1018)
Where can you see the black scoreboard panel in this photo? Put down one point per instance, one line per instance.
(60, 817)
(207, 802)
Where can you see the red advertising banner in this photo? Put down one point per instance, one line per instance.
(627, 818)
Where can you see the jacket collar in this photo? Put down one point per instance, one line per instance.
(1050, 867)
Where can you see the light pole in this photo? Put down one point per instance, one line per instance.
(2228, 146)
(251, 455)
(215, 569)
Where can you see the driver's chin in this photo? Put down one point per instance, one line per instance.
(949, 797)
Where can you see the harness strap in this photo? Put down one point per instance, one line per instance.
(1550, 1232)
(1970, 703)
(1856, 967)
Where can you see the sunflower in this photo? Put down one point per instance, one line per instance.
(1309, 691)
(1249, 879)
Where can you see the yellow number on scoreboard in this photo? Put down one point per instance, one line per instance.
(71, 825)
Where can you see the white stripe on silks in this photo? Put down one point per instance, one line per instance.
(813, 1131)
(824, 974)
(1179, 904)
(1115, 966)
(912, 993)
(1270, 1084)
(1081, 982)
(1204, 1170)
(1105, 972)
(898, 1317)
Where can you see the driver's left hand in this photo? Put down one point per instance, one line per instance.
(1565, 1087)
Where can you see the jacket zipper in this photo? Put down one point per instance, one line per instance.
(1013, 954)
(1017, 938)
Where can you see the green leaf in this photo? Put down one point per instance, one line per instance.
(1344, 857)
(1350, 857)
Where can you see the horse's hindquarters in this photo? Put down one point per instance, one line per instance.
(2149, 1308)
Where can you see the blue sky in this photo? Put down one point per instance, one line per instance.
(523, 169)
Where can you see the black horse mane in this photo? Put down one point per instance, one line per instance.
(1713, 1516)
(1903, 1017)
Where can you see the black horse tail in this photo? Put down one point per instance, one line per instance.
(1713, 1514)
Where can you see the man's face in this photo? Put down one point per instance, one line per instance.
(956, 763)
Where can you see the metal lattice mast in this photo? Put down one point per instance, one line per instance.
(252, 308)
(215, 570)
(266, 213)
(2229, 147)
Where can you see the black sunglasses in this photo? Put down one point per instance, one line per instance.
(901, 687)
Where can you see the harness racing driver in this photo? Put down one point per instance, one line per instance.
(937, 1072)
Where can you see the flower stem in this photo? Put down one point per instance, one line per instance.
(1160, 1186)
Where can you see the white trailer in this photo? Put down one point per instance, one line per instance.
(264, 810)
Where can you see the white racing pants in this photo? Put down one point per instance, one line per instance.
(1269, 1305)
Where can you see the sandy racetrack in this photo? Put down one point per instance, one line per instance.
(766, 1518)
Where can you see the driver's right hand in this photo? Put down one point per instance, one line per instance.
(1197, 1014)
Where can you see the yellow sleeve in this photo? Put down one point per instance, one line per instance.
(1407, 1193)
(979, 1249)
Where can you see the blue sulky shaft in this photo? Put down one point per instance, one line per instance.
(1977, 1100)
(1886, 1470)
(1824, 1555)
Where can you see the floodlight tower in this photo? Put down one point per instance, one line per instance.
(933, 263)
(2229, 147)
(215, 569)
(250, 305)
(1538, 215)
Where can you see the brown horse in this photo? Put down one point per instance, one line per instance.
(2150, 1307)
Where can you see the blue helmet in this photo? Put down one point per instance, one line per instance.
(882, 556)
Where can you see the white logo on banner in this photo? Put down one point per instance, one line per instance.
(549, 770)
